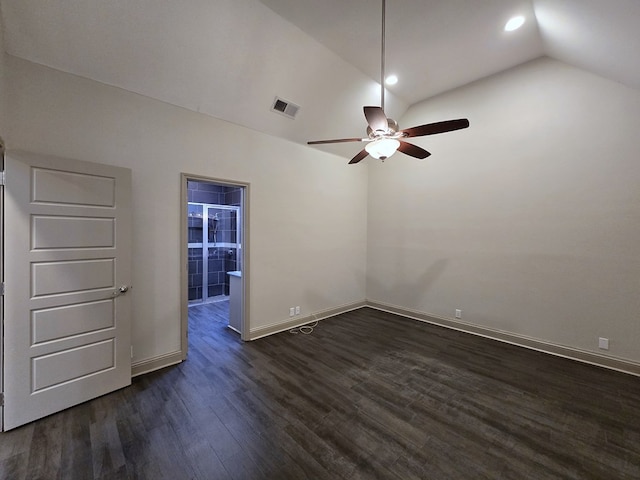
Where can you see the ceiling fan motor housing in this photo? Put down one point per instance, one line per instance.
(391, 130)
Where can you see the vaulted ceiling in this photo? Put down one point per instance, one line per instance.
(231, 58)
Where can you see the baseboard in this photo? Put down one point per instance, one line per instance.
(266, 330)
(155, 363)
(592, 358)
(162, 361)
(605, 361)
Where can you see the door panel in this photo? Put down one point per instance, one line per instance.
(72, 232)
(67, 251)
(73, 188)
(48, 278)
(72, 364)
(50, 324)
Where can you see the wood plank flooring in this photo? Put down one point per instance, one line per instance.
(367, 395)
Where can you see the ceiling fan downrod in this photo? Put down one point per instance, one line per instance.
(384, 10)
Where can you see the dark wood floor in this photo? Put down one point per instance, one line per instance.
(368, 395)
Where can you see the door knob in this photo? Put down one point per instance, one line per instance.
(121, 290)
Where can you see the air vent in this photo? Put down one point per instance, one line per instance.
(284, 107)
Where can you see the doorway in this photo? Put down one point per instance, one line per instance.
(214, 245)
(214, 253)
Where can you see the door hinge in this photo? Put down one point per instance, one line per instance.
(2, 178)
(1, 399)
(1, 289)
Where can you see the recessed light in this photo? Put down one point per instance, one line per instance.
(391, 80)
(514, 23)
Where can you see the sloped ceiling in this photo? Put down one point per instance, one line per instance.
(433, 46)
(230, 58)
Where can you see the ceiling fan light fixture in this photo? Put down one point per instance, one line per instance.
(514, 23)
(383, 132)
(382, 148)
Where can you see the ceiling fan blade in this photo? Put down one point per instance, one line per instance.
(437, 127)
(339, 140)
(363, 153)
(413, 150)
(376, 118)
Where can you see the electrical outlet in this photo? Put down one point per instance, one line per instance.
(298, 310)
(292, 311)
(458, 313)
(603, 343)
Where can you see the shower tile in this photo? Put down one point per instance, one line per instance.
(192, 266)
(233, 196)
(215, 265)
(216, 290)
(195, 293)
(208, 187)
(205, 197)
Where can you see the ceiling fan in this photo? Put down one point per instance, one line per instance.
(384, 137)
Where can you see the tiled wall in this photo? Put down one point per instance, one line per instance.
(214, 194)
(220, 260)
(226, 231)
(195, 273)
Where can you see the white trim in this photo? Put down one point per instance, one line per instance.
(592, 358)
(156, 363)
(278, 327)
(606, 361)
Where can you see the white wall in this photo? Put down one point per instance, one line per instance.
(3, 108)
(529, 221)
(307, 208)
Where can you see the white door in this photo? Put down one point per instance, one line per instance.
(67, 256)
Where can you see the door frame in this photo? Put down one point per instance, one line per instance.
(184, 254)
(1, 285)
